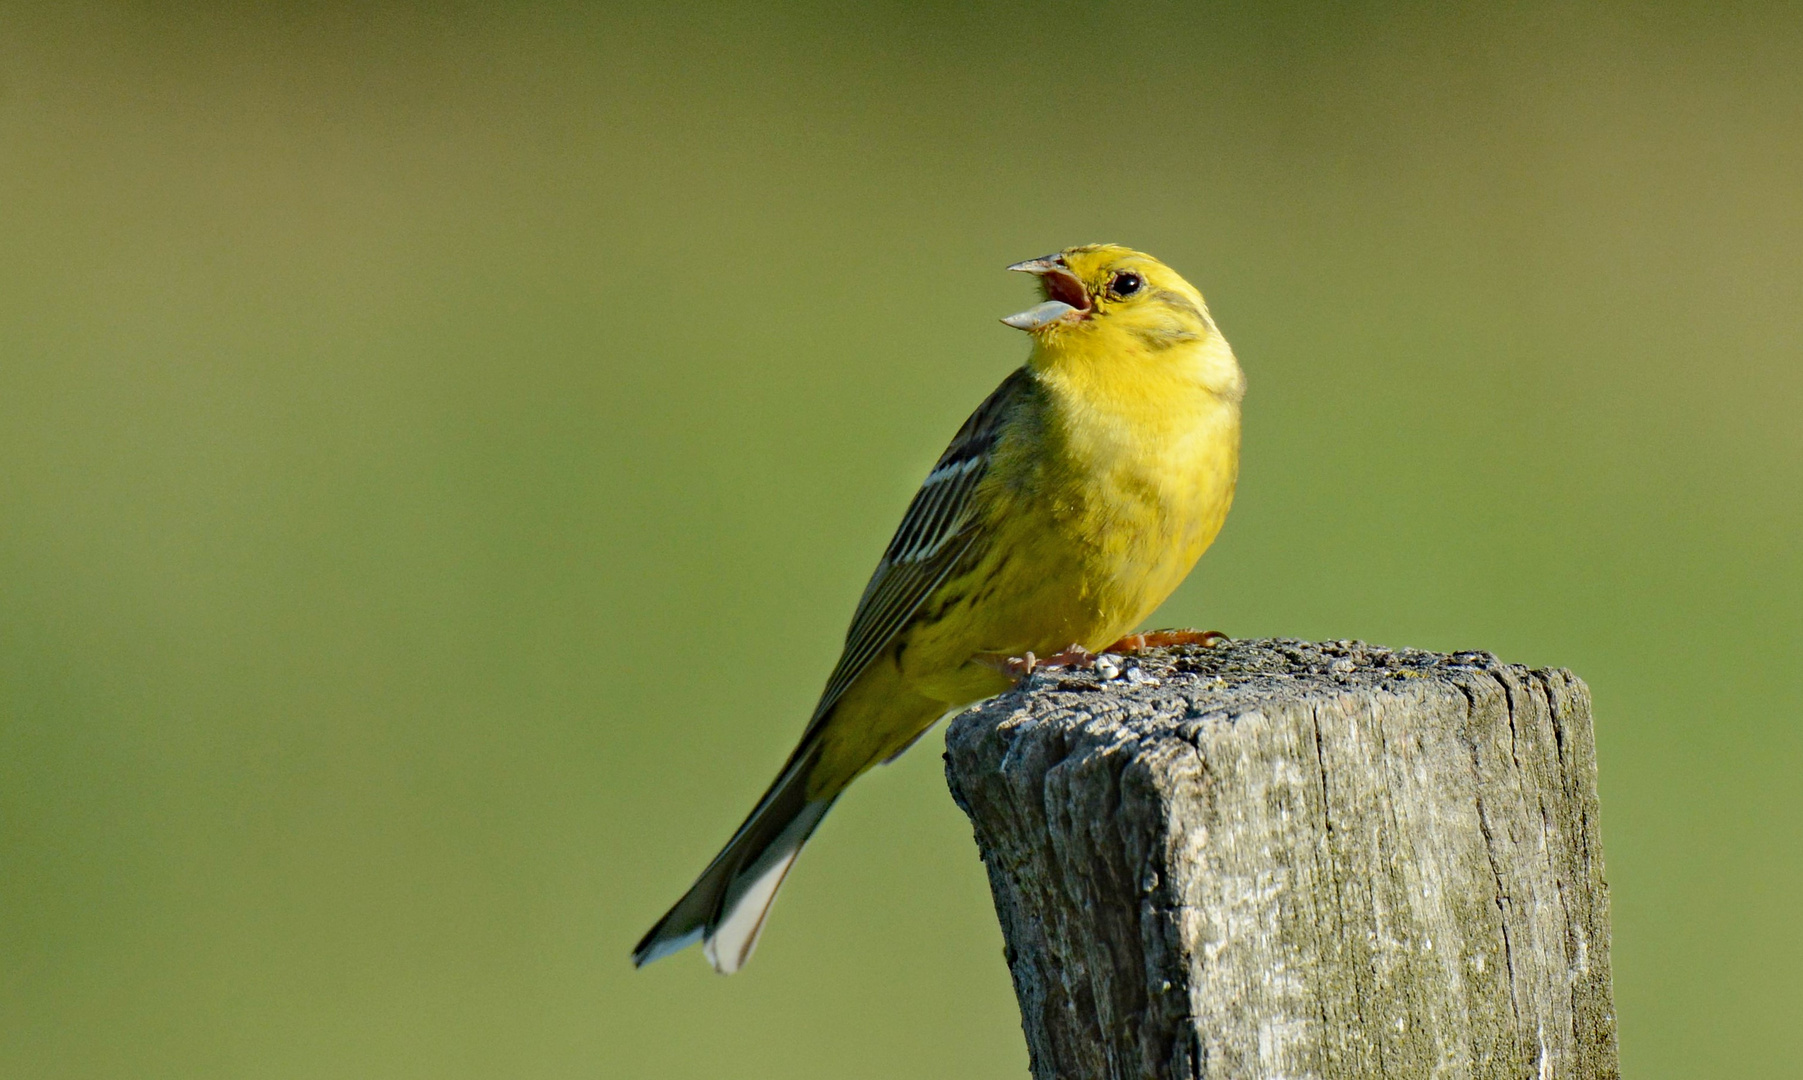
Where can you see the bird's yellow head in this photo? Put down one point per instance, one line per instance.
(1110, 305)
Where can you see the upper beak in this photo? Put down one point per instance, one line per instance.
(1045, 264)
(1066, 299)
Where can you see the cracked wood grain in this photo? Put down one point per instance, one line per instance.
(1293, 859)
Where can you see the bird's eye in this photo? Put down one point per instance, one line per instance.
(1125, 284)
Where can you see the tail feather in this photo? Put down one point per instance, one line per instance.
(726, 907)
(749, 897)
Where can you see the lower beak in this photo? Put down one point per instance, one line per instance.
(1040, 315)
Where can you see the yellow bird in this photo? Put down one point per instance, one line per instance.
(1069, 505)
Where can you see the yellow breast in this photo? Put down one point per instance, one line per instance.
(1142, 461)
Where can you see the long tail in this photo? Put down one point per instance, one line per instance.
(726, 907)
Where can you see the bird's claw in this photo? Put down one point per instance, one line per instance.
(1076, 656)
(1159, 639)
(1070, 656)
(1019, 667)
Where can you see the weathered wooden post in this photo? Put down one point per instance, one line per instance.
(1292, 859)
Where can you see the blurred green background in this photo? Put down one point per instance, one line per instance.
(440, 446)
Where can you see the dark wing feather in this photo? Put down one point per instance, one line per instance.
(933, 537)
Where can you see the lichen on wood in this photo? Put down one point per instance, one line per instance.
(1291, 859)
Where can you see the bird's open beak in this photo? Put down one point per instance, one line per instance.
(1066, 300)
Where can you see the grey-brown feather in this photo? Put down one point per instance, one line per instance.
(933, 537)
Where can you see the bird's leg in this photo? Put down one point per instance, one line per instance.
(1158, 639)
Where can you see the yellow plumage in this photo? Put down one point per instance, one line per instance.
(1071, 503)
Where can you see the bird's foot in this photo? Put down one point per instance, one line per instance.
(1070, 656)
(1158, 639)
(1019, 667)
(1015, 667)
